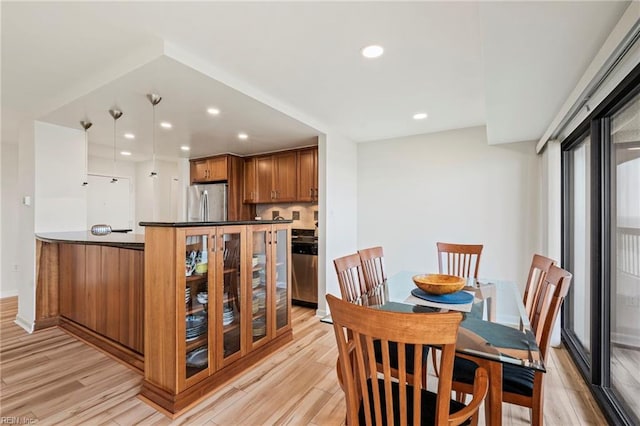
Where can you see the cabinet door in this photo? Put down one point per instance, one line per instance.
(264, 179)
(195, 357)
(258, 329)
(281, 291)
(229, 244)
(284, 176)
(217, 169)
(249, 183)
(308, 175)
(199, 170)
(72, 285)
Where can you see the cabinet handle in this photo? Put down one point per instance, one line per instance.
(214, 244)
(311, 192)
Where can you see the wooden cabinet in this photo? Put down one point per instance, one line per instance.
(270, 178)
(307, 175)
(214, 169)
(101, 288)
(218, 301)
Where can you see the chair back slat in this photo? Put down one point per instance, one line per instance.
(372, 260)
(537, 273)
(357, 327)
(550, 296)
(462, 260)
(350, 277)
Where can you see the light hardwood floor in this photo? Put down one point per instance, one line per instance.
(54, 378)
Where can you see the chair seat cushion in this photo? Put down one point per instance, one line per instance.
(393, 355)
(515, 379)
(428, 405)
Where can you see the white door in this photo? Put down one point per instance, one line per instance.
(109, 203)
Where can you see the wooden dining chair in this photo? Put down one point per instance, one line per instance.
(372, 260)
(462, 260)
(376, 397)
(523, 386)
(350, 278)
(537, 272)
(352, 287)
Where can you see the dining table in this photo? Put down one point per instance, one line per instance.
(495, 329)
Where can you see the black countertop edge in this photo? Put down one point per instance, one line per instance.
(194, 224)
(121, 240)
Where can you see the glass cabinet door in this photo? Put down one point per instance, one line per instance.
(231, 294)
(196, 296)
(259, 276)
(281, 251)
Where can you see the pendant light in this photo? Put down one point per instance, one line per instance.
(115, 113)
(155, 100)
(86, 125)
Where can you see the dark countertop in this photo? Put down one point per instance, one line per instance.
(194, 224)
(115, 239)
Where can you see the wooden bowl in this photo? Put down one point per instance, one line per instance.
(439, 283)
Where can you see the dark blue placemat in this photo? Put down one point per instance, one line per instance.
(457, 298)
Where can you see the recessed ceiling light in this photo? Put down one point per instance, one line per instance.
(166, 125)
(420, 116)
(185, 148)
(125, 153)
(129, 136)
(243, 136)
(373, 51)
(213, 111)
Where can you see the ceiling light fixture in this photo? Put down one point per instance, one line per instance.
(165, 124)
(125, 153)
(420, 116)
(185, 148)
(634, 148)
(155, 100)
(86, 125)
(129, 136)
(115, 113)
(213, 111)
(243, 136)
(373, 51)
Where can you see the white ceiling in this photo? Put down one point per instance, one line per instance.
(506, 65)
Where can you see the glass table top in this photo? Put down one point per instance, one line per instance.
(495, 325)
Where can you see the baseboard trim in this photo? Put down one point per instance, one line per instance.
(26, 325)
(10, 293)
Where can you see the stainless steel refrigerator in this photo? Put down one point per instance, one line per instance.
(207, 203)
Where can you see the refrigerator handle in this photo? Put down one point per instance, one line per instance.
(204, 214)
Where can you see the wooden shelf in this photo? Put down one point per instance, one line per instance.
(200, 341)
(197, 309)
(227, 328)
(196, 277)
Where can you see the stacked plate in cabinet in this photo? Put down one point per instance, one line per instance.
(196, 326)
(227, 315)
(259, 327)
(198, 357)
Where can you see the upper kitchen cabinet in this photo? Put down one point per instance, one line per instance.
(213, 169)
(308, 174)
(270, 178)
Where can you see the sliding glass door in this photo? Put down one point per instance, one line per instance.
(625, 255)
(579, 240)
(601, 247)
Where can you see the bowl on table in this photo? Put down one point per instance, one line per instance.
(439, 283)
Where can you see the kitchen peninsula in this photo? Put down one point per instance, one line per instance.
(207, 300)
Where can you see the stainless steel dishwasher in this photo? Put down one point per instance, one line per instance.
(304, 257)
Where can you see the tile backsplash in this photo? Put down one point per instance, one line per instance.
(302, 214)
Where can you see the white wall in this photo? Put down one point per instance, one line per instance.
(337, 227)
(10, 208)
(25, 242)
(453, 187)
(60, 200)
(158, 199)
